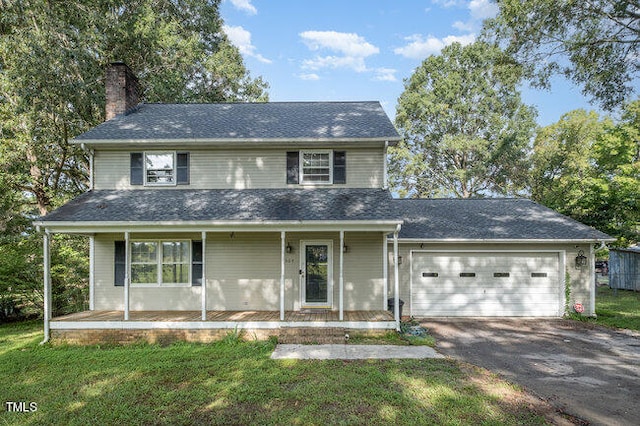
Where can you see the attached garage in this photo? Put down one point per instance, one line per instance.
(487, 284)
(503, 257)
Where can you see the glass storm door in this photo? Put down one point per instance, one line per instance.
(316, 273)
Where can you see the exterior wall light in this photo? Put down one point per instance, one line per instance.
(399, 260)
(289, 249)
(581, 260)
(345, 248)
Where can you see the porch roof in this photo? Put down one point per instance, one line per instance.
(248, 207)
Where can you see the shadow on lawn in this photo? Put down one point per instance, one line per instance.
(237, 383)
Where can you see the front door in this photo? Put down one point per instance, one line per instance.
(316, 273)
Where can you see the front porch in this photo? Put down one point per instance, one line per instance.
(93, 327)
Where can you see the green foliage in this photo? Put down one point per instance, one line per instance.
(53, 57)
(465, 129)
(594, 43)
(619, 309)
(589, 168)
(21, 276)
(239, 384)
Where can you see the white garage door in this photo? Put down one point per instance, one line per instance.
(486, 284)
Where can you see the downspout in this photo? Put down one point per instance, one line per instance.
(47, 286)
(592, 271)
(91, 154)
(396, 282)
(385, 185)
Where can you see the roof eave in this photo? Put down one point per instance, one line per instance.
(217, 226)
(391, 140)
(505, 240)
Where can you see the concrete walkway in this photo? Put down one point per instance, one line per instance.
(353, 352)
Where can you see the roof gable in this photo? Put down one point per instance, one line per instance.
(236, 122)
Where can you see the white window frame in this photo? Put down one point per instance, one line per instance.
(173, 169)
(159, 263)
(301, 162)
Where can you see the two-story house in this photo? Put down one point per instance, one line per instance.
(206, 217)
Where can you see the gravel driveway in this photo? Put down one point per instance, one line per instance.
(586, 371)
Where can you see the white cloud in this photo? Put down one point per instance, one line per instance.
(352, 49)
(385, 74)
(447, 3)
(482, 9)
(309, 77)
(479, 10)
(464, 26)
(419, 47)
(242, 39)
(245, 6)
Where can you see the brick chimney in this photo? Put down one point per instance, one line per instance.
(122, 90)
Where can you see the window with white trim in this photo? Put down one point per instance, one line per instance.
(316, 167)
(159, 168)
(160, 263)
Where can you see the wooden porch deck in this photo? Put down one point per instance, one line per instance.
(299, 318)
(307, 326)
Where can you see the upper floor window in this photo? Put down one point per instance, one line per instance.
(316, 167)
(159, 168)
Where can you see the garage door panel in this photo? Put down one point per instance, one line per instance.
(525, 284)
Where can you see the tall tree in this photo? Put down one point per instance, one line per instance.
(53, 57)
(589, 168)
(595, 43)
(466, 132)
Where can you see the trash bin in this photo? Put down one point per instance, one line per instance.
(391, 302)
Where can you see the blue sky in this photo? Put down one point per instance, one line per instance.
(323, 50)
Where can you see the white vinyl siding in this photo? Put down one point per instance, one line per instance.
(142, 298)
(239, 169)
(243, 273)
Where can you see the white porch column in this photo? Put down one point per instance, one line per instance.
(341, 281)
(592, 284)
(385, 271)
(92, 274)
(47, 284)
(126, 275)
(396, 283)
(204, 276)
(282, 251)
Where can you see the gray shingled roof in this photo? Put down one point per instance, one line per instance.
(432, 219)
(248, 205)
(248, 121)
(490, 219)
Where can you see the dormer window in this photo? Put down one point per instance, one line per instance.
(159, 168)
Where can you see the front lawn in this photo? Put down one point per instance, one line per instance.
(619, 309)
(232, 382)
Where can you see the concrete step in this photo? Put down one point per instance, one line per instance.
(312, 335)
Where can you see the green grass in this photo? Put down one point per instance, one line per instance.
(619, 309)
(234, 382)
